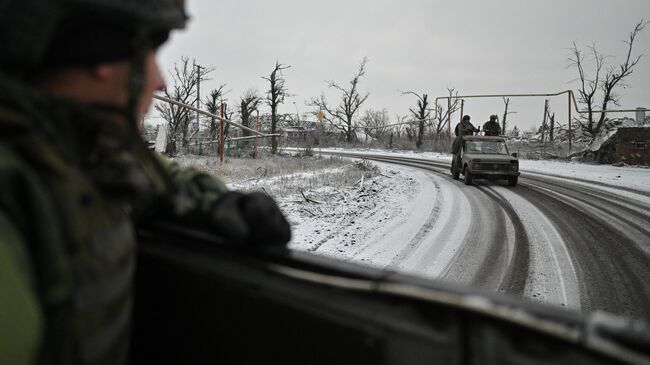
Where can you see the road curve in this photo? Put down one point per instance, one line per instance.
(555, 240)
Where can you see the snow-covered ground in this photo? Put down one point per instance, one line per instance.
(420, 222)
(424, 223)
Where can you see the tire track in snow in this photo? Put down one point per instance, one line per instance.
(589, 245)
(445, 239)
(395, 238)
(417, 240)
(519, 266)
(482, 259)
(613, 271)
(552, 277)
(621, 211)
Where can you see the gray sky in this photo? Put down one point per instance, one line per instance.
(476, 46)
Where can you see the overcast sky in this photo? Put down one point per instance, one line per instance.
(477, 47)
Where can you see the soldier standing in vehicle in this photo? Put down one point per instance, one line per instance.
(76, 179)
(492, 127)
(465, 127)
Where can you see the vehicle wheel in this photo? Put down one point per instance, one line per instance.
(468, 176)
(454, 171)
(512, 181)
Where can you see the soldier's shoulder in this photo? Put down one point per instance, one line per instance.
(16, 170)
(10, 158)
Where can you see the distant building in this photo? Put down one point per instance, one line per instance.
(628, 145)
(632, 146)
(298, 133)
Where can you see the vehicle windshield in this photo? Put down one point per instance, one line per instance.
(486, 147)
(347, 113)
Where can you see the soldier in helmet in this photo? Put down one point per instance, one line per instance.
(491, 127)
(465, 127)
(76, 180)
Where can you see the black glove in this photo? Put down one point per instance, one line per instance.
(252, 219)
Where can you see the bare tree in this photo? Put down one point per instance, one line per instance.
(589, 85)
(274, 97)
(443, 114)
(213, 105)
(375, 123)
(421, 115)
(249, 103)
(551, 128)
(341, 116)
(228, 113)
(185, 78)
(400, 129)
(602, 82)
(506, 112)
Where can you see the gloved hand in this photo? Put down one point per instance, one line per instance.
(252, 219)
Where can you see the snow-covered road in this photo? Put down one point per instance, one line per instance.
(551, 239)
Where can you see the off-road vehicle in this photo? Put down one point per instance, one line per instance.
(483, 157)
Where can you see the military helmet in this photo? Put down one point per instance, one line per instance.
(37, 33)
(466, 117)
(493, 117)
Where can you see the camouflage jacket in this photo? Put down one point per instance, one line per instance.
(491, 128)
(74, 184)
(467, 128)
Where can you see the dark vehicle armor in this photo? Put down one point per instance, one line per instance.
(199, 302)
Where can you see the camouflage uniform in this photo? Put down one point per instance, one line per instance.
(456, 147)
(467, 128)
(72, 190)
(464, 128)
(491, 127)
(74, 185)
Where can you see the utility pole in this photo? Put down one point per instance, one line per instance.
(222, 137)
(462, 109)
(198, 92)
(257, 136)
(449, 118)
(570, 94)
(544, 125)
(297, 112)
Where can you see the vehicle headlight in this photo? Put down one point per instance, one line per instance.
(515, 167)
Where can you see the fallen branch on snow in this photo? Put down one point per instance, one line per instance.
(345, 199)
(360, 181)
(308, 200)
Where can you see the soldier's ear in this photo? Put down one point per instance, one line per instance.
(103, 72)
(109, 71)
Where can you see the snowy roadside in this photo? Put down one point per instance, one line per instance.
(342, 208)
(637, 178)
(350, 222)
